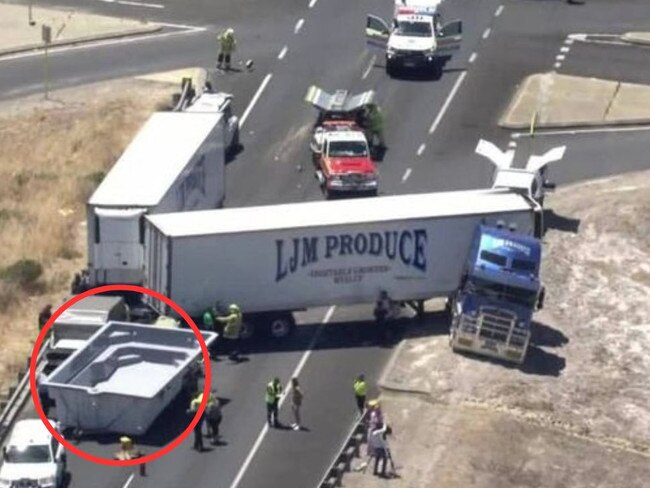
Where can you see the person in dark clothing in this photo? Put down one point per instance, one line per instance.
(198, 429)
(44, 315)
(198, 435)
(213, 417)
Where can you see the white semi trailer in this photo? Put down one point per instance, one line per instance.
(273, 260)
(176, 162)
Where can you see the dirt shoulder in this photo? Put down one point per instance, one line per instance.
(52, 155)
(577, 414)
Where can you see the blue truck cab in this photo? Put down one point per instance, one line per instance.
(500, 289)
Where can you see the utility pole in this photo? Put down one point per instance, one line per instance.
(46, 36)
(30, 18)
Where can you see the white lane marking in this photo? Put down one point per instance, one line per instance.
(407, 173)
(499, 10)
(182, 26)
(140, 4)
(573, 132)
(577, 37)
(296, 372)
(445, 106)
(106, 43)
(560, 57)
(421, 149)
(568, 41)
(312, 3)
(565, 49)
(253, 101)
(598, 39)
(283, 52)
(298, 26)
(370, 65)
(512, 144)
(486, 33)
(557, 65)
(128, 482)
(472, 58)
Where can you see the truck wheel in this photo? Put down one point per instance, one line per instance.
(234, 145)
(281, 325)
(247, 329)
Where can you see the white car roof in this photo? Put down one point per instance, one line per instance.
(349, 135)
(414, 18)
(209, 102)
(30, 432)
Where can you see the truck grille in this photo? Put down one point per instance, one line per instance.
(25, 483)
(356, 178)
(495, 324)
(409, 54)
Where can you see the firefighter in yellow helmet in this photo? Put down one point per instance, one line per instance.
(127, 450)
(232, 330)
(227, 45)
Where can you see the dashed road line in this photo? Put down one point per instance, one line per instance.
(568, 41)
(253, 101)
(407, 173)
(565, 49)
(298, 26)
(283, 52)
(486, 32)
(560, 57)
(512, 144)
(312, 3)
(472, 58)
(369, 68)
(129, 481)
(421, 149)
(499, 10)
(296, 372)
(445, 106)
(557, 65)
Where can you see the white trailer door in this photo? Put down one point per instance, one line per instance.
(118, 243)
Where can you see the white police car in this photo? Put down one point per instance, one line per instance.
(32, 458)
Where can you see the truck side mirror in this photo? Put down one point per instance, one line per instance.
(540, 298)
(548, 185)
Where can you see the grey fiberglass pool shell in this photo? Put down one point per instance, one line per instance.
(124, 377)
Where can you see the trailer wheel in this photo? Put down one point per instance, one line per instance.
(281, 326)
(247, 329)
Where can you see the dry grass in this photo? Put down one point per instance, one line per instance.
(52, 155)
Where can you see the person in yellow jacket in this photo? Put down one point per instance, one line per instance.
(272, 398)
(232, 330)
(227, 45)
(195, 404)
(360, 392)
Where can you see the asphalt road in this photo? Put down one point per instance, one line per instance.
(432, 128)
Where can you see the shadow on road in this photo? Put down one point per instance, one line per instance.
(559, 222)
(541, 363)
(543, 335)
